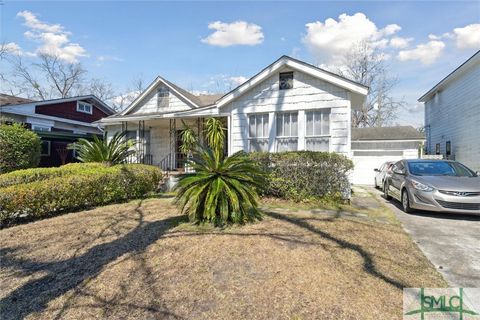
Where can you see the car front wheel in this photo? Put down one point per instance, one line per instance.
(406, 202)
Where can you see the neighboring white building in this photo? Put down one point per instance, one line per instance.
(290, 105)
(371, 147)
(452, 115)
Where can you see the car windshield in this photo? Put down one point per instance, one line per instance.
(439, 168)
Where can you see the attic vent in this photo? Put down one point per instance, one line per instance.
(286, 80)
(162, 97)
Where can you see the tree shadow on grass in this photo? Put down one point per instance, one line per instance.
(63, 276)
(368, 263)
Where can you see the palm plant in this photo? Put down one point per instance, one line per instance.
(189, 139)
(111, 152)
(221, 190)
(215, 135)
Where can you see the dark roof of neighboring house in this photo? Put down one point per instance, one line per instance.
(87, 98)
(387, 133)
(6, 99)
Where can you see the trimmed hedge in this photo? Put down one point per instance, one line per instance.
(304, 175)
(92, 186)
(37, 174)
(19, 148)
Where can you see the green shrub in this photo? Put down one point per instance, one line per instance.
(37, 174)
(305, 174)
(92, 187)
(19, 148)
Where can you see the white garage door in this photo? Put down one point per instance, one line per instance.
(364, 165)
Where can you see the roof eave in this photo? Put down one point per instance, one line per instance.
(347, 84)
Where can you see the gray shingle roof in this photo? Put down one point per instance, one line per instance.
(387, 133)
(202, 100)
(6, 99)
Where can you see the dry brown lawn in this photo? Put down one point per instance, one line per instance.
(142, 260)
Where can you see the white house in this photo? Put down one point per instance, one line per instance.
(452, 115)
(289, 105)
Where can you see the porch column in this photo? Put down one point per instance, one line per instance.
(301, 124)
(272, 131)
(229, 135)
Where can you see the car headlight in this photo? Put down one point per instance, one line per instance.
(420, 186)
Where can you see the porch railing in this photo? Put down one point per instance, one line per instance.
(140, 158)
(173, 161)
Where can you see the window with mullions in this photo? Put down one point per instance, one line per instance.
(162, 97)
(287, 131)
(258, 132)
(317, 137)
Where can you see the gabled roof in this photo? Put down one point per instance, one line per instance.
(191, 99)
(358, 90)
(354, 87)
(387, 133)
(88, 98)
(463, 67)
(6, 99)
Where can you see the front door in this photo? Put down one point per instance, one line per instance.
(179, 156)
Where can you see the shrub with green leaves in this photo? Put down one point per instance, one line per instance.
(221, 190)
(92, 186)
(19, 148)
(37, 174)
(304, 175)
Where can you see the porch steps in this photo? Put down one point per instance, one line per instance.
(169, 180)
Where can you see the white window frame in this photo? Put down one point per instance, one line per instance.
(38, 127)
(322, 135)
(163, 94)
(264, 136)
(49, 149)
(281, 116)
(84, 104)
(280, 82)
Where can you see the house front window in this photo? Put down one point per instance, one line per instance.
(317, 137)
(36, 127)
(285, 80)
(287, 131)
(258, 132)
(45, 148)
(162, 97)
(84, 107)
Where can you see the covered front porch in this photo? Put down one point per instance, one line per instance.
(158, 141)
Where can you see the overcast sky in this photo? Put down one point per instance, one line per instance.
(203, 45)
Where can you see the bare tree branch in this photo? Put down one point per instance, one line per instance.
(366, 65)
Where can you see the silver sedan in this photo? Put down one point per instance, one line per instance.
(434, 185)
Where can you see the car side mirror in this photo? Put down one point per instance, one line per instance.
(376, 170)
(478, 173)
(400, 172)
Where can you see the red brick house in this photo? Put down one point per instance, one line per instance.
(58, 122)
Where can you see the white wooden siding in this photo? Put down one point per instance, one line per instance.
(308, 93)
(149, 104)
(454, 115)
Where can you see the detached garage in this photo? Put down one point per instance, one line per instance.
(371, 147)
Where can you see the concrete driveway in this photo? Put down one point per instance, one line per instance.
(451, 242)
